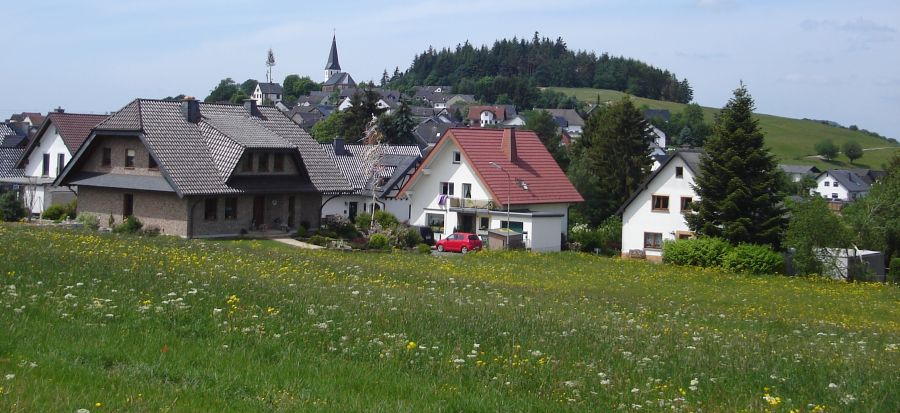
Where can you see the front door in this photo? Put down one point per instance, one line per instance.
(291, 206)
(352, 211)
(259, 210)
(466, 223)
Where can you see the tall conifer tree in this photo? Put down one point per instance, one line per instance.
(738, 180)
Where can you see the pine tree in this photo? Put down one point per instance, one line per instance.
(615, 150)
(738, 180)
(385, 78)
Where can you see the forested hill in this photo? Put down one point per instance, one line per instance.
(540, 62)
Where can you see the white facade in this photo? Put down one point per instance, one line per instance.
(543, 225)
(645, 227)
(344, 206)
(660, 139)
(261, 97)
(829, 188)
(37, 194)
(381, 104)
(487, 118)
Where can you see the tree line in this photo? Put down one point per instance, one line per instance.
(520, 63)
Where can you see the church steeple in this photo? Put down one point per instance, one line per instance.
(333, 66)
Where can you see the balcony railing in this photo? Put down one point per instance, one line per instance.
(456, 202)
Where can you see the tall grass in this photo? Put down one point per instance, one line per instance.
(119, 323)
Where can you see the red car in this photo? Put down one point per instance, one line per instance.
(459, 241)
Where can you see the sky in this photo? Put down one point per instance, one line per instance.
(822, 59)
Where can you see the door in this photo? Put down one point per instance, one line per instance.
(127, 205)
(291, 206)
(352, 211)
(259, 211)
(466, 223)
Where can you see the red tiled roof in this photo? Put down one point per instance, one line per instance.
(547, 183)
(475, 112)
(74, 127)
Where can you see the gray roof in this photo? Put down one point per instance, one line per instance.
(693, 158)
(570, 115)
(5, 130)
(333, 63)
(270, 88)
(13, 141)
(799, 169)
(198, 158)
(9, 156)
(341, 78)
(395, 159)
(141, 182)
(429, 131)
(848, 179)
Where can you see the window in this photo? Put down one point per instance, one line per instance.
(473, 237)
(231, 208)
(679, 172)
(127, 205)
(210, 209)
(107, 157)
(834, 184)
(447, 188)
(467, 191)
(834, 195)
(652, 240)
(129, 158)
(435, 221)
(660, 203)
(247, 165)
(484, 222)
(686, 204)
(45, 167)
(278, 163)
(151, 162)
(515, 226)
(60, 162)
(827, 183)
(263, 163)
(457, 158)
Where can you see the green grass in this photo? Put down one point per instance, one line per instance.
(162, 324)
(791, 140)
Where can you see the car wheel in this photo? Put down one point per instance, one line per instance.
(463, 250)
(440, 248)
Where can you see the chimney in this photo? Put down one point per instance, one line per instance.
(250, 107)
(339, 146)
(508, 144)
(59, 109)
(190, 108)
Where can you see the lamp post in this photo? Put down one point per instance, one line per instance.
(508, 191)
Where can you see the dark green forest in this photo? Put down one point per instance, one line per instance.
(509, 68)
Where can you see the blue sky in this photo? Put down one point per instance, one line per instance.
(837, 60)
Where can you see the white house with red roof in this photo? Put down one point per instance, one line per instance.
(471, 176)
(46, 155)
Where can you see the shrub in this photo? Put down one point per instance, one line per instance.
(363, 222)
(339, 227)
(11, 208)
(607, 236)
(301, 232)
(379, 242)
(131, 225)
(423, 249)
(410, 237)
(703, 252)
(319, 240)
(386, 220)
(753, 259)
(893, 274)
(55, 213)
(89, 221)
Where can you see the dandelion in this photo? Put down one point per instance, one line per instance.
(772, 400)
(98, 404)
(410, 345)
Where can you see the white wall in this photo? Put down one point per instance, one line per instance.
(826, 191)
(341, 206)
(51, 143)
(638, 217)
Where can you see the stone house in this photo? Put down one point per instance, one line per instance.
(202, 170)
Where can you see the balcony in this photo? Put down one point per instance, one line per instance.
(456, 202)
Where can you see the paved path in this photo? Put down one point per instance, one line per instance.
(300, 244)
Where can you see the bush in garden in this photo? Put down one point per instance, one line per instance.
(89, 221)
(301, 232)
(607, 236)
(423, 249)
(319, 240)
(56, 212)
(11, 208)
(410, 237)
(386, 220)
(893, 274)
(363, 222)
(379, 242)
(753, 259)
(702, 252)
(339, 227)
(131, 225)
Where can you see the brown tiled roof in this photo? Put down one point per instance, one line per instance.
(74, 128)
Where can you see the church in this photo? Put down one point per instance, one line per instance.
(335, 78)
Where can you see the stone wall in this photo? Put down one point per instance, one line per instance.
(163, 210)
(119, 145)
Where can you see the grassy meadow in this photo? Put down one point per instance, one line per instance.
(113, 323)
(792, 140)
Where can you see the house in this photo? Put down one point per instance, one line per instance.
(12, 145)
(48, 152)
(335, 78)
(846, 264)
(488, 115)
(429, 131)
(659, 138)
(202, 169)
(375, 184)
(481, 180)
(655, 211)
(267, 92)
(26, 123)
(574, 123)
(459, 99)
(517, 120)
(845, 185)
(798, 172)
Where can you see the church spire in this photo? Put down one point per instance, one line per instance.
(333, 66)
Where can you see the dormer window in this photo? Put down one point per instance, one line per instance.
(263, 163)
(278, 164)
(247, 165)
(151, 162)
(129, 158)
(107, 157)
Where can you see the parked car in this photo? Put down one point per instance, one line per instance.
(427, 235)
(459, 242)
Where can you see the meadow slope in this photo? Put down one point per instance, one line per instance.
(129, 324)
(791, 140)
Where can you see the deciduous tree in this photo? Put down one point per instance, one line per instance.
(852, 150)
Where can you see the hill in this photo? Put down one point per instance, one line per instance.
(113, 323)
(792, 140)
